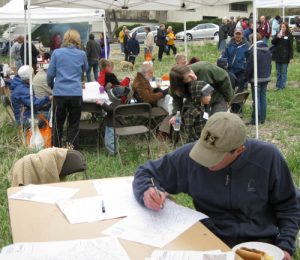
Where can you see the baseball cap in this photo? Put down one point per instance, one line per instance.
(239, 30)
(222, 133)
(24, 72)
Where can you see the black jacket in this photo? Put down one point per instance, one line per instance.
(133, 46)
(223, 31)
(34, 51)
(93, 50)
(161, 37)
(251, 199)
(282, 51)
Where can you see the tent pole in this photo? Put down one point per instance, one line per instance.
(30, 66)
(25, 32)
(104, 37)
(255, 64)
(185, 40)
(9, 43)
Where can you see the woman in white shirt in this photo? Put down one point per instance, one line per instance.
(149, 40)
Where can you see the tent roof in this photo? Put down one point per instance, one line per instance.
(157, 5)
(276, 3)
(13, 12)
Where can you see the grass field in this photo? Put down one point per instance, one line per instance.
(281, 128)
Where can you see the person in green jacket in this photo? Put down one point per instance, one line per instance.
(181, 77)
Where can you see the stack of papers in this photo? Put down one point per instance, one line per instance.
(191, 255)
(91, 93)
(156, 228)
(115, 199)
(85, 249)
(44, 193)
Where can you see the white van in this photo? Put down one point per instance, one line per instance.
(290, 20)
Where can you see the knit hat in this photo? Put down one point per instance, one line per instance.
(223, 132)
(207, 90)
(119, 95)
(24, 72)
(222, 63)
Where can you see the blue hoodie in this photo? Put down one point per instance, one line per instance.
(264, 64)
(21, 98)
(236, 55)
(252, 198)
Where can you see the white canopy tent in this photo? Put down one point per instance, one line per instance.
(20, 12)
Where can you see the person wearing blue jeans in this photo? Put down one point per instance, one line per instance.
(282, 54)
(93, 52)
(92, 65)
(261, 102)
(281, 72)
(263, 77)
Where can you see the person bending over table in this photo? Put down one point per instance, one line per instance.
(182, 76)
(243, 185)
(64, 76)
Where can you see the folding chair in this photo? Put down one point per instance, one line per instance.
(95, 123)
(131, 127)
(157, 115)
(237, 102)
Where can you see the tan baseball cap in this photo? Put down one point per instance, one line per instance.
(223, 132)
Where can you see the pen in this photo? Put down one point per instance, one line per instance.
(102, 205)
(156, 190)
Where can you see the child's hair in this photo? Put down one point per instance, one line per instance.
(103, 63)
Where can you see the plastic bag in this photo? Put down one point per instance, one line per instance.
(35, 141)
(44, 133)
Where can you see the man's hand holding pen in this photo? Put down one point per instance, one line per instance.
(154, 198)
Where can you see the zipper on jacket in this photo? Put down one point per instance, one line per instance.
(228, 183)
(227, 179)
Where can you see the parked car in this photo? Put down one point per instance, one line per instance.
(140, 32)
(290, 20)
(201, 31)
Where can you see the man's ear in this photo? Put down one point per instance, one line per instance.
(240, 150)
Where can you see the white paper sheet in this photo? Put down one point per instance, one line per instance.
(118, 195)
(191, 255)
(85, 249)
(44, 193)
(89, 210)
(91, 93)
(156, 228)
(115, 195)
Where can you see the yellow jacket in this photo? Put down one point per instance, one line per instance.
(171, 37)
(121, 36)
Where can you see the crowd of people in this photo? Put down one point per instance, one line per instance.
(62, 78)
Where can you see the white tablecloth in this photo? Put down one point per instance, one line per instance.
(91, 93)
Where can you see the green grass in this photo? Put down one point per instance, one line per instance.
(281, 128)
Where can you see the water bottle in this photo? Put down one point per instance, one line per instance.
(177, 121)
(101, 89)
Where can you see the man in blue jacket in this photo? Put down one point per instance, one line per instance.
(243, 185)
(236, 53)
